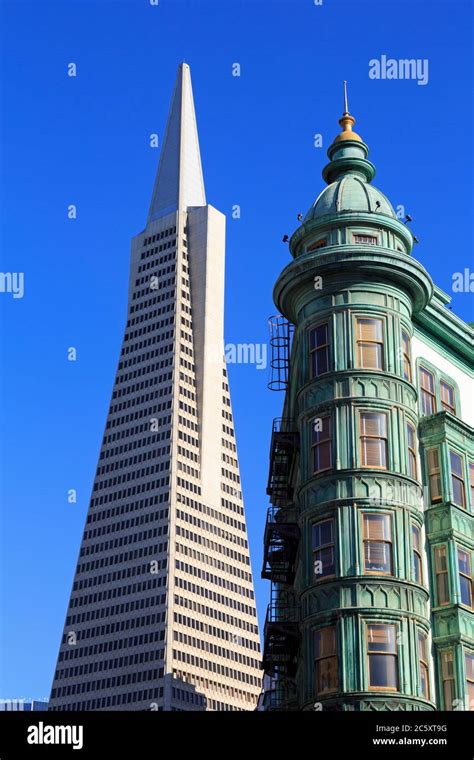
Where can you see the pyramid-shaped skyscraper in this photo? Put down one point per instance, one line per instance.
(162, 612)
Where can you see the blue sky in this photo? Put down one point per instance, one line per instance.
(86, 141)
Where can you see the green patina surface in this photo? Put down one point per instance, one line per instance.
(334, 283)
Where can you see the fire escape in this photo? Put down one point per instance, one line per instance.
(281, 539)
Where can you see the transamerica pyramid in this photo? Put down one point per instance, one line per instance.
(162, 612)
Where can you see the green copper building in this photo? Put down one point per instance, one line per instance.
(370, 535)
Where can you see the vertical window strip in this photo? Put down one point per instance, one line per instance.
(457, 478)
(411, 445)
(321, 444)
(428, 394)
(471, 482)
(447, 678)
(416, 548)
(448, 397)
(434, 475)
(465, 577)
(424, 668)
(319, 349)
(441, 573)
(469, 662)
(406, 349)
(326, 662)
(323, 549)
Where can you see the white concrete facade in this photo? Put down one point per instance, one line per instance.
(162, 614)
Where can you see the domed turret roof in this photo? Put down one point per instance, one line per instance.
(350, 193)
(349, 175)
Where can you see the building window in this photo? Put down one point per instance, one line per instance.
(365, 239)
(411, 442)
(326, 660)
(434, 475)
(369, 343)
(448, 397)
(441, 572)
(406, 356)
(319, 350)
(469, 659)
(321, 443)
(465, 577)
(424, 670)
(457, 479)
(447, 678)
(318, 244)
(428, 395)
(373, 440)
(416, 548)
(382, 657)
(377, 543)
(323, 549)
(471, 482)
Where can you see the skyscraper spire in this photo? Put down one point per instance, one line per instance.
(162, 612)
(179, 180)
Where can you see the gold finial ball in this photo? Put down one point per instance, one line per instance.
(347, 121)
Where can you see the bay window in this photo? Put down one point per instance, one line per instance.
(447, 678)
(465, 577)
(441, 574)
(321, 444)
(428, 394)
(457, 479)
(326, 664)
(369, 336)
(416, 549)
(423, 660)
(323, 548)
(373, 440)
(382, 657)
(377, 538)
(319, 349)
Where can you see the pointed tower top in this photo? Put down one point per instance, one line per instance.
(179, 181)
(346, 107)
(347, 121)
(348, 152)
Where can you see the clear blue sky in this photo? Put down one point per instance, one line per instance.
(85, 141)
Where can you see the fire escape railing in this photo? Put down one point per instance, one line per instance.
(281, 333)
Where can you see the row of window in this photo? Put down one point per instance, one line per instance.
(369, 332)
(374, 451)
(464, 567)
(377, 538)
(383, 663)
(357, 238)
(373, 443)
(213, 612)
(460, 471)
(204, 684)
(382, 659)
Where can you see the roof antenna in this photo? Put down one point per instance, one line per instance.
(346, 107)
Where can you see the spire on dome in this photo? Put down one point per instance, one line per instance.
(179, 180)
(348, 152)
(347, 121)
